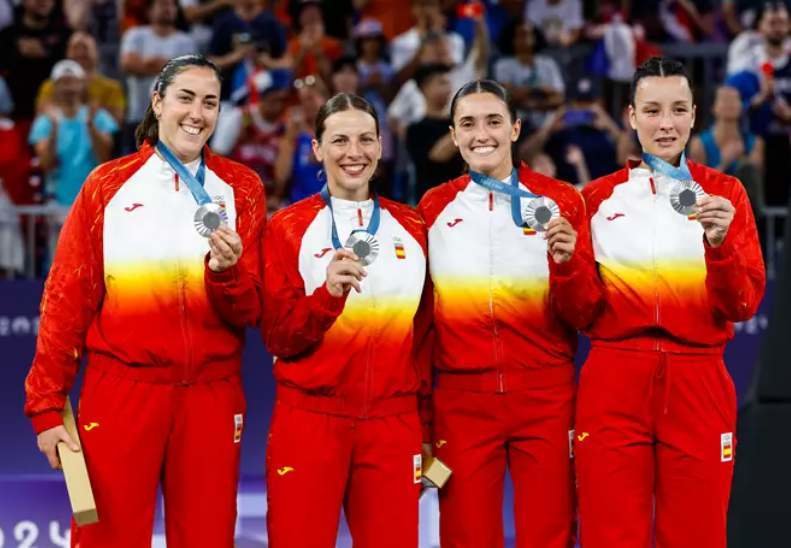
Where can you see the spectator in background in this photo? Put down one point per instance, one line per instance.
(376, 86)
(730, 148)
(395, 19)
(560, 21)
(14, 171)
(260, 128)
(344, 77)
(102, 91)
(726, 145)
(311, 50)
(248, 32)
(6, 13)
(687, 21)
(29, 48)
(15, 161)
(144, 51)
(376, 73)
(741, 15)
(436, 159)
(338, 15)
(407, 48)
(533, 80)
(583, 124)
(201, 14)
(409, 105)
(760, 66)
(71, 137)
(297, 172)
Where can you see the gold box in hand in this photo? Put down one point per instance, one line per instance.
(436, 473)
(75, 471)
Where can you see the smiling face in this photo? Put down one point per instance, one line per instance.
(483, 131)
(349, 150)
(663, 115)
(187, 112)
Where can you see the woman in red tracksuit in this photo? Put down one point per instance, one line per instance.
(506, 287)
(344, 275)
(679, 260)
(155, 295)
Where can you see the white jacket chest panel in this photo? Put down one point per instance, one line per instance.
(149, 221)
(468, 240)
(635, 228)
(389, 277)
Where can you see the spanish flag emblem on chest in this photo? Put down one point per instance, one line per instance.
(400, 251)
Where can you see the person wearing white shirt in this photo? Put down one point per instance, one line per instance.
(560, 21)
(144, 51)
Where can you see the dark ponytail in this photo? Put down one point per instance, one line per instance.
(148, 129)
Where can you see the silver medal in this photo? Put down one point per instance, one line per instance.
(539, 211)
(208, 218)
(684, 196)
(364, 245)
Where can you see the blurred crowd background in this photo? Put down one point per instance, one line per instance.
(76, 77)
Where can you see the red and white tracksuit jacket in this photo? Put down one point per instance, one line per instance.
(345, 429)
(504, 339)
(656, 407)
(129, 289)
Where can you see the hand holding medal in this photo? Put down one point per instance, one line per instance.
(225, 249)
(344, 272)
(715, 214)
(561, 240)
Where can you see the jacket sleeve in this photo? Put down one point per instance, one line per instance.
(72, 297)
(293, 322)
(576, 291)
(735, 274)
(423, 357)
(235, 293)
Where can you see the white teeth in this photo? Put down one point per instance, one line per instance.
(353, 169)
(483, 150)
(191, 130)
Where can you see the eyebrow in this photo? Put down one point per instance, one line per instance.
(364, 134)
(487, 116)
(193, 94)
(657, 103)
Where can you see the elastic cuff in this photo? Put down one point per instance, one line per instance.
(563, 270)
(723, 253)
(46, 420)
(327, 303)
(228, 275)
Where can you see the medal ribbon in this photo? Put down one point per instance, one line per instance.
(511, 190)
(680, 173)
(373, 224)
(194, 182)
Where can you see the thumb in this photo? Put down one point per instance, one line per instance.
(66, 437)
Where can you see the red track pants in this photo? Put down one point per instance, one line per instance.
(319, 461)
(137, 435)
(654, 446)
(485, 422)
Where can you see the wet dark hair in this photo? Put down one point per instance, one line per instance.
(339, 103)
(658, 66)
(148, 129)
(482, 86)
(425, 72)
